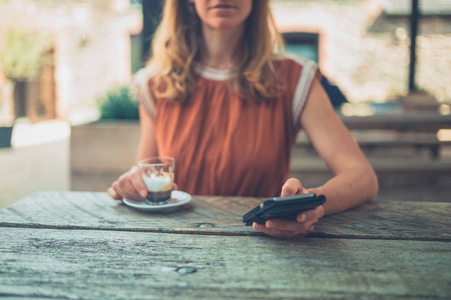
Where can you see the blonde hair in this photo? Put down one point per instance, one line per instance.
(176, 47)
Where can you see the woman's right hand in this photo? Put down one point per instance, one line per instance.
(129, 185)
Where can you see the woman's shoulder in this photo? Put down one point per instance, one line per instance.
(297, 74)
(289, 61)
(296, 70)
(145, 74)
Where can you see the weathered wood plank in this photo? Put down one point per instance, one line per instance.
(82, 264)
(222, 215)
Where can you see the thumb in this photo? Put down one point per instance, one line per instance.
(292, 187)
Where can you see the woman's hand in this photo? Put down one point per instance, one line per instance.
(129, 185)
(304, 223)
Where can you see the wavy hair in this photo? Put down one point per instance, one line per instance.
(177, 43)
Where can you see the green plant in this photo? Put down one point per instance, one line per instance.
(119, 103)
(21, 56)
(21, 52)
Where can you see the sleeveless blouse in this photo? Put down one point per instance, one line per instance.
(223, 145)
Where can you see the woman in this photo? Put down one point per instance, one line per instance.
(216, 98)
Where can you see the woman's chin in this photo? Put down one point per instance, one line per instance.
(225, 25)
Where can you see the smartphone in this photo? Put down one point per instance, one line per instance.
(283, 208)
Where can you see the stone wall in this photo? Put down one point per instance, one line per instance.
(367, 54)
(91, 43)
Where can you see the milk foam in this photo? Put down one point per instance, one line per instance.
(156, 184)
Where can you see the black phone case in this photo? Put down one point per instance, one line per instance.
(283, 208)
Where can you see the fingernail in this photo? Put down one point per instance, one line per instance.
(143, 193)
(303, 218)
(271, 224)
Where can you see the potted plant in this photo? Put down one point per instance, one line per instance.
(6, 119)
(119, 104)
(21, 54)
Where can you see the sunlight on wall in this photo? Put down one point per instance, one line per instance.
(40, 133)
(444, 134)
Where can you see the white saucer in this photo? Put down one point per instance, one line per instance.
(178, 198)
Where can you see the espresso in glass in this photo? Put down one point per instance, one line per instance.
(159, 187)
(158, 176)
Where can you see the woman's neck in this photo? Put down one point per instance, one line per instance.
(220, 47)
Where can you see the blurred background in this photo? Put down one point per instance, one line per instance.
(68, 119)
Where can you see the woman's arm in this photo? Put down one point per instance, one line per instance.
(354, 179)
(147, 143)
(130, 184)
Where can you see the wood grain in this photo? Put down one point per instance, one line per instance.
(222, 216)
(94, 264)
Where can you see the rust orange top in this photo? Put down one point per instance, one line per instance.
(223, 145)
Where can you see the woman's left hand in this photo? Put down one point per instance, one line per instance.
(304, 223)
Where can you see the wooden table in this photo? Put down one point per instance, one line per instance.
(79, 245)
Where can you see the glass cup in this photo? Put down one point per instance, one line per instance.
(158, 176)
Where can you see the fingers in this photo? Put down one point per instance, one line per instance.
(303, 225)
(312, 214)
(125, 187)
(280, 233)
(113, 194)
(292, 187)
(137, 182)
(288, 225)
(129, 185)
